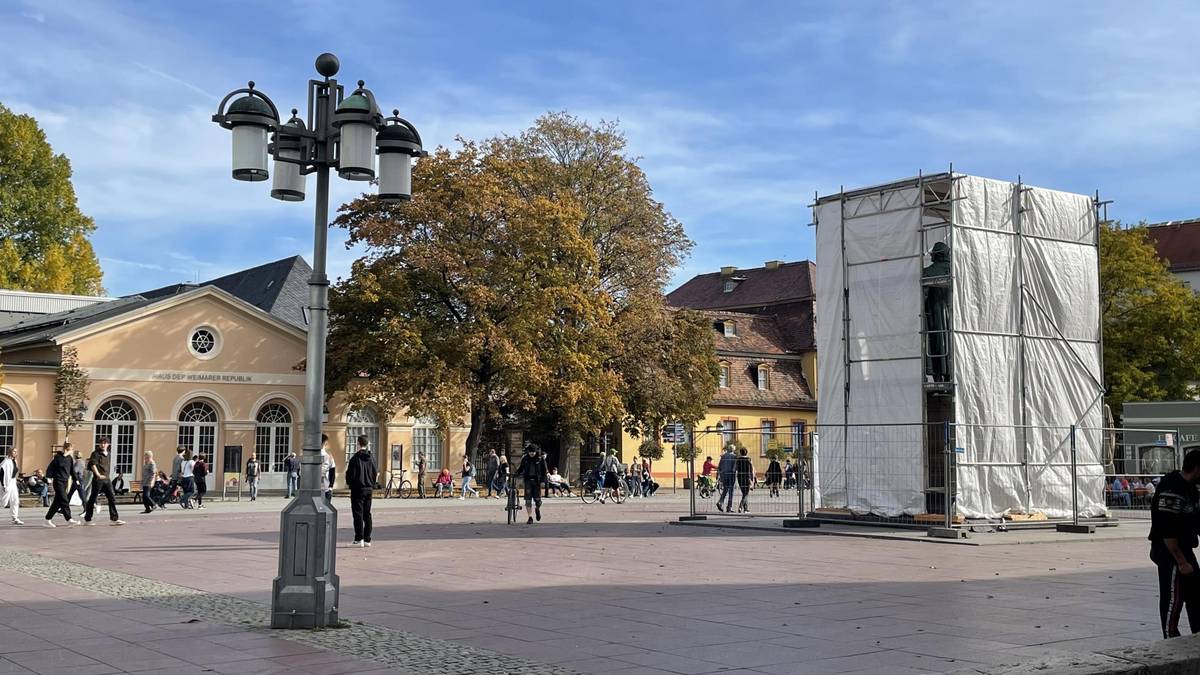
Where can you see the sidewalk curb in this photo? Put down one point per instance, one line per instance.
(1177, 656)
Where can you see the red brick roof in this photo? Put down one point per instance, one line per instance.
(757, 286)
(1178, 242)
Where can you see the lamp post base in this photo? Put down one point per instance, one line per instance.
(305, 594)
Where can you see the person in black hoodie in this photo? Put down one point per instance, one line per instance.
(533, 471)
(1173, 513)
(59, 474)
(360, 478)
(745, 477)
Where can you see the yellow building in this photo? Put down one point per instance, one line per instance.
(211, 366)
(763, 331)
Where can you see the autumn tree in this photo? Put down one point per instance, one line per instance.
(519, 278)
(43, 236)
(70, 391)
(1151, 322)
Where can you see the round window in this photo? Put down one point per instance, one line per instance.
(204, 342)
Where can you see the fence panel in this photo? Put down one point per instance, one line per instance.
(767, 493)
(1133, 462)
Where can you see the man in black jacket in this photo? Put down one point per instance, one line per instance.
(59, 474)
(100, 466)
(490, 469)
(533, 471)
(1173, 513)
(360, 478)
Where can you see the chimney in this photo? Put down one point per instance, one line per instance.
(774, 264)
(728, 271)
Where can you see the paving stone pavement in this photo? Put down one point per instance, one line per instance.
(616, 589)
(388, 647)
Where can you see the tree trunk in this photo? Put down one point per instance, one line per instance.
(478, 419)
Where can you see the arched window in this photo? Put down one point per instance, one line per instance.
(362, 422)
(8, 427)
(427, 440)
(117, 421)
(198, 430)
(273, 436)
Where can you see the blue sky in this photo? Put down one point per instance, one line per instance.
(739, 110)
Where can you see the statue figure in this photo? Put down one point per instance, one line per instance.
(937, 315)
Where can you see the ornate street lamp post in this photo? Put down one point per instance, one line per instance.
(343, 133)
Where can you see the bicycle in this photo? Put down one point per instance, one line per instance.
(706, 487)
(403, 487)
(589, 493)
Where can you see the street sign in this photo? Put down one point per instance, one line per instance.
(674, 433)
(772, 444)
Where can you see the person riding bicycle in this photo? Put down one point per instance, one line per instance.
(706, 474)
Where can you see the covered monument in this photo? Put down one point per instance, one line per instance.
(959, 327)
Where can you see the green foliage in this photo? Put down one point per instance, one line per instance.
(650, 449)
(525, 274)
(778, 453)
(70, 390)
(687, 451)
(43, 235)
(1151, 322)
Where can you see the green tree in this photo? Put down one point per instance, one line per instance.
(70, 391)
(1151, 322)
(43, 235)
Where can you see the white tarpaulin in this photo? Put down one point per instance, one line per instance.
(867, 467)
(1026, 310)
(1024, 313)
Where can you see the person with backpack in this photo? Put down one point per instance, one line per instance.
(252, 477)
(361, 472)
(10, 497)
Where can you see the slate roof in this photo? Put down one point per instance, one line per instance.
(758, 286)
(1178, 242)
(279, 288)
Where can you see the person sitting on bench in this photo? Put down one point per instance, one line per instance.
(557, 484)
(118, 484)
(444, 483)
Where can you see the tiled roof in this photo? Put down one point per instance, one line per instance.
(756, 287)
(1178, 242)
(45, 327)
(758, 340)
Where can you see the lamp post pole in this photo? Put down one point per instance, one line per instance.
(343, 133)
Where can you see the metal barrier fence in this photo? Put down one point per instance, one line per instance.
(937, 475)
(761, 490)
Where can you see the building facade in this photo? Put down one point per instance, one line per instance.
(211, 366)
(763, 331)
(1178, 243)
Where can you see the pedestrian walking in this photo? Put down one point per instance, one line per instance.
(328, 468)
(490, 468)
(59, 474)
(501, 480)
(200, 474)
(774, 477)
(177, 465)
(745, 479)
(420, 475)
(10, 496)
(634, 478)
(468, 475)
(291, 466)
(149, 475)
(252, 477)
(100, 467)
(726, 477)
(361, 473)
(187, 479)
(532, 471)
(1173, 512)
(80, 475)
(606, 475)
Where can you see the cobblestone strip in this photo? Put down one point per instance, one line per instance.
(393, 648)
